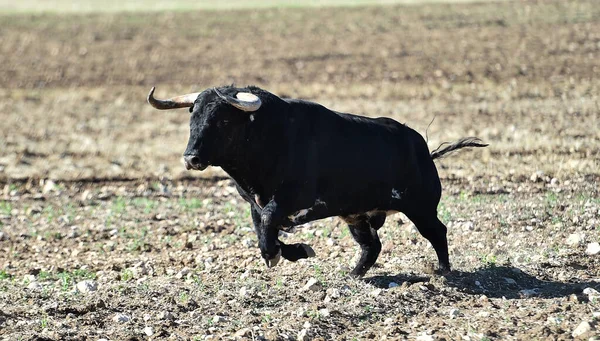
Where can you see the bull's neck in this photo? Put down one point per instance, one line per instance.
(253, 168)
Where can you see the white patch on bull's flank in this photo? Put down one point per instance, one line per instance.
(251, 117)
(395, 194)
(294, 217)
(303, 212)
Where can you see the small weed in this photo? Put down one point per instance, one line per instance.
(50, 213)
(126, 275)
(5, 207)
(44, 322)
(489, 260)
(184, 297)
(147, 204)
(44, 275)
(551, 199)
(190, 204)
(119, 205)
(4, 275)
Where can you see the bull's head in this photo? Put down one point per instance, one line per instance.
(217, 125)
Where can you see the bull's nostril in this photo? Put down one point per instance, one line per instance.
(194, 160)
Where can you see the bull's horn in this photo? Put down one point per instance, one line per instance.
(183, 101)
(243, 100)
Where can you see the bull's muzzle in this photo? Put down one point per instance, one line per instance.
(194, 162)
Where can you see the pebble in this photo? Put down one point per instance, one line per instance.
(165, 315)
(529, 292)
(425, 337)
(182, 273)
(592, 294)
(87, 286)
(574, 239)
(537, 176)
(388, 321)
(48, 186)
(148, 331)
(324, 312)
(375, 292)
(302, 335)
(249, 243)
(593, 249)
(34, 286)
(121, 318)
(454, 313)
(218, 319)
(3, 236)
(582, 330)
(243, 333)
(312, 285)
(243, 292)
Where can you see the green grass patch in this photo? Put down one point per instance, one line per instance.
(5, 207)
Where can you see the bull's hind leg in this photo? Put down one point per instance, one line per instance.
(364, 230)
(433, 230)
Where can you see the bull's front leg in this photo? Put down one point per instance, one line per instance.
(266, 224)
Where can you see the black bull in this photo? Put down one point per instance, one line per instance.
(295, 161)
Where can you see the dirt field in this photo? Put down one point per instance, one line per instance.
(104, 235)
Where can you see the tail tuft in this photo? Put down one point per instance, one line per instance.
(451, 147)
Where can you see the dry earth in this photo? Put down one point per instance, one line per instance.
(104, 235)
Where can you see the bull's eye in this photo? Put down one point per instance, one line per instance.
(191, 109)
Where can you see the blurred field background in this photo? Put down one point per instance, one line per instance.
(87, 6)
(92, 186)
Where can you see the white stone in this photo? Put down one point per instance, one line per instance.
(593, 249)
(375, 292)
(87, 286)
(425, 337)
(148, 331)
(48, 186)
(312, 285)
(218, 319)
(34, 286)
(324, 312)
(574, 239)
(582, 330)
(165, 315)
(121, 318)
(454, 313)
(388, 321)
(302, 335)
(182, 273)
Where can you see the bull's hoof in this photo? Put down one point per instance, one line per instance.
(273, 261)
(442, 271)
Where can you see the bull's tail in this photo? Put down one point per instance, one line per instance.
(451, 147)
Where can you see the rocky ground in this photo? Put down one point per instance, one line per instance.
(104, 235)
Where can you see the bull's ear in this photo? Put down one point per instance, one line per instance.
(244, 101)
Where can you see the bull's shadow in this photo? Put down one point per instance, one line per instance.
(495, 282)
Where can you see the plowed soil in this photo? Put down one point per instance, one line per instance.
(92, 187)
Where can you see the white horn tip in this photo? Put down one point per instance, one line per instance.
(151, 94)
(246, 96)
